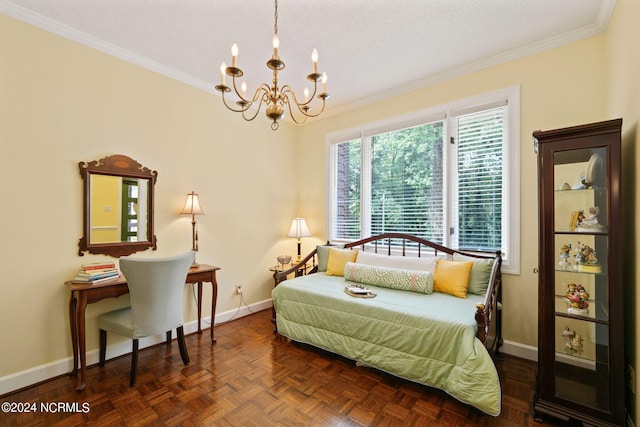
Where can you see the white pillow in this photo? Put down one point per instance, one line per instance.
(424, 263)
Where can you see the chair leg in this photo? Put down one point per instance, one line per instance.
(134, 363)
(169, 338)
(182, 345)
(103, 346)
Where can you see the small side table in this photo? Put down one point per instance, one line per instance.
(304, 269)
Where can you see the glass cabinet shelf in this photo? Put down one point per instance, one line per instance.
(603, 271)
(582, 233)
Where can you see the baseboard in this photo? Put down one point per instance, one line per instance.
(520, 350)
(28, 377)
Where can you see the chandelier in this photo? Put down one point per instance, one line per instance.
(277, 98)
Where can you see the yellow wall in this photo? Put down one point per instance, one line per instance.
(106, 213)
(561, 87)
(623, 100)
(62, 103)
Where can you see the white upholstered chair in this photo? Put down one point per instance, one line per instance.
(156, 289)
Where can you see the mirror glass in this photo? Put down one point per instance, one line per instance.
(119, 209)
(118, 203)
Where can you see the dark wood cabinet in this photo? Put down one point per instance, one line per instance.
(580, 320)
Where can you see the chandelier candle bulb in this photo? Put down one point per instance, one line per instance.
(314, 59)
(243, 86)
(223, 69)
(306, 94)
(276, 45)
(234, 55)
(324, 82)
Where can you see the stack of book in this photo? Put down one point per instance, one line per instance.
(97, 272)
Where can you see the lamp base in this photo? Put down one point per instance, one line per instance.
(195, 263)
(299, 251)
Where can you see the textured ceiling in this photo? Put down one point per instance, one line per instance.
(370, 49)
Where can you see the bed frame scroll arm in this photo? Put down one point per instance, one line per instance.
(300, 268)
(482, 321)
(485, 311)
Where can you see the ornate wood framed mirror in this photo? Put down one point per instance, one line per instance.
(118, 206)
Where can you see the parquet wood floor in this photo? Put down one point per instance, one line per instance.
(253, 377)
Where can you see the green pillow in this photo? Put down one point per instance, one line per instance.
(480, 273)
(323, 256)
(388, 277)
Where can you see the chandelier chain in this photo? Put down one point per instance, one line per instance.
(275, 19)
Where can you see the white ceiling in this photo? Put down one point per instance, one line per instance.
(370, 49)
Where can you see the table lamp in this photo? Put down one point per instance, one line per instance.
(192, 207)
(299, 229)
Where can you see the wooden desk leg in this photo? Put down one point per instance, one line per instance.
(73, 307)
(199, 307)
(81, 306)
(214, 300)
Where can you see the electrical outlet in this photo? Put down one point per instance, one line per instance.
(632, 378)
(239, 289)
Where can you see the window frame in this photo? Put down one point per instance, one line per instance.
(447, 112)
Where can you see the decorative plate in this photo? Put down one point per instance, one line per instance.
(359, 292)
(595, 171)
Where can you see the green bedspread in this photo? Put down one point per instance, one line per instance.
(429, 339)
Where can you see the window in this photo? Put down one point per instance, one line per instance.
(445, 175)
(129, 217)
(480, 188)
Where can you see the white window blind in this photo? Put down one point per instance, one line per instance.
(480, 157)
(346, 224)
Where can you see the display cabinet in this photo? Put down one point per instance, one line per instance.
(580, 320)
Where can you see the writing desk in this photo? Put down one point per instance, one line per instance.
(85, 293)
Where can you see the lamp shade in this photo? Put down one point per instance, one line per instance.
(299, 228)
(192, 205)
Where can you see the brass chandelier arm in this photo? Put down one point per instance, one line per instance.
(261, 94)
(293, 116)
(256, 95)
(245, 106)
(241, 110)
(286, 90)
(302, 110)
(304, 107)
(257, 110)
(306, 112)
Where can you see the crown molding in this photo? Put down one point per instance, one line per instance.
(83, 38)
(553, 42)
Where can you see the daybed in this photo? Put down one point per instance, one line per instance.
(411, 325)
